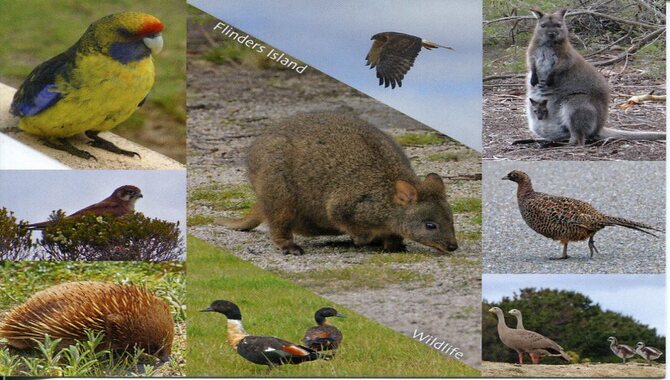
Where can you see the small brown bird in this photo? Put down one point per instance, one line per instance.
(562, 218)
(621, 350)
(393, 54)
(120, 203)
(647, 353)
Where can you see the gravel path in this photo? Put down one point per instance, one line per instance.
(229, 105)
(633, 190)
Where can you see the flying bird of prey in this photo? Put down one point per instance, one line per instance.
(120, 203)
(393, 54)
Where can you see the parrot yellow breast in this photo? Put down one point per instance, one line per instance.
(100, 94)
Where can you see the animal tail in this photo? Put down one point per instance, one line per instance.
(614, 221)
(432, 45)
(606, 133)
(252, 220)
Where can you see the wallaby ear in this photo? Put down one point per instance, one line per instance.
(532, 101)
(544, 102)
(538, 13)
(561, 12)
(405, 193)
(433, 184)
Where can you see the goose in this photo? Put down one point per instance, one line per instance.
(266, 350)
(324, 336)
(535, 355)
(621, 350)
(648, 353)
(525, 340)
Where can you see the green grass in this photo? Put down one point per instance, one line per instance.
(414, 139)
(276, 307)
(445, 157)
(397, 258)
(199, 220)
(469, 235)
(462, 205)
(357, 277)
(42, 29)
(20, 279)
(231, 198)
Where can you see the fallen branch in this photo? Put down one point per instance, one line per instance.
(636, 100)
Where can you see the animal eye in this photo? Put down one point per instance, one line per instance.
(431, 226)
(544, 25)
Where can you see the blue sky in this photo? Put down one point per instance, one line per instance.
(442, 90)
(33, 194)
(639, 296)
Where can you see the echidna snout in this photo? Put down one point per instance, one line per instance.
(129, 317)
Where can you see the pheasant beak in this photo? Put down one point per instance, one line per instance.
(505, 177)
(154, 43)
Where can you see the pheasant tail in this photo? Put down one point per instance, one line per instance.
(612, 220)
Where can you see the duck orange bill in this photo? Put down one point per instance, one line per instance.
(293, 350)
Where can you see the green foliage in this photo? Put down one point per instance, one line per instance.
(571, 319)
(87, 358)
(276, 307)
(133, 237)
(199, 220)
(461, 205)
(15, 242)
(505, 41)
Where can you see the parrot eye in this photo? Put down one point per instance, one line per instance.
(125, 32)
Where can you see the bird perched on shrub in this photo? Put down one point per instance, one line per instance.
(120, 203)
(94, 85)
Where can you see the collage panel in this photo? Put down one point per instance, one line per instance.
(105, 90)
(599, 221)
(92, 318)
(600, 325)
(574, 80)
(311, 158)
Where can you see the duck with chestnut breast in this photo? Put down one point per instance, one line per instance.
(324, 336)
(647, 353)
(621, 350)
(264, 350)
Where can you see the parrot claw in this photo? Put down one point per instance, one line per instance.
(66, 146)
(101, 143)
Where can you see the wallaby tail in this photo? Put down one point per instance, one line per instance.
(432, 45)
(606, 133)
(614, 221)
(252, 220)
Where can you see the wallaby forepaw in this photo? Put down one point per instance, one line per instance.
(294, 250)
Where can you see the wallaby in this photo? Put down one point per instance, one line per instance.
(539, 108)
(577, 94)
(332, 174)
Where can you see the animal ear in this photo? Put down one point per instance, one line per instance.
(561, 12)
(538, 13)
(433, 184)
(405, 193)
(544, 102)
(532, 101)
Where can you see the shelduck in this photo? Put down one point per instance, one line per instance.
(324, 336)
(266, 350)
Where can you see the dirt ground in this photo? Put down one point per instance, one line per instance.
(638, 370)
(229, 105)
(504, 117)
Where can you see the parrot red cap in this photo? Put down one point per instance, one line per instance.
(150, 27)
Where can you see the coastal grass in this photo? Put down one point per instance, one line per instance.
(21, 279)
(276, 307)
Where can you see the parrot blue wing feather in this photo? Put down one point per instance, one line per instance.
(37, 94)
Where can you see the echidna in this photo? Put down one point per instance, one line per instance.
(129, 317)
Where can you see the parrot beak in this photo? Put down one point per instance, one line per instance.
(154, 43)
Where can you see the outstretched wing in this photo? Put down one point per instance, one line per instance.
(395, 57)
(38, 93)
